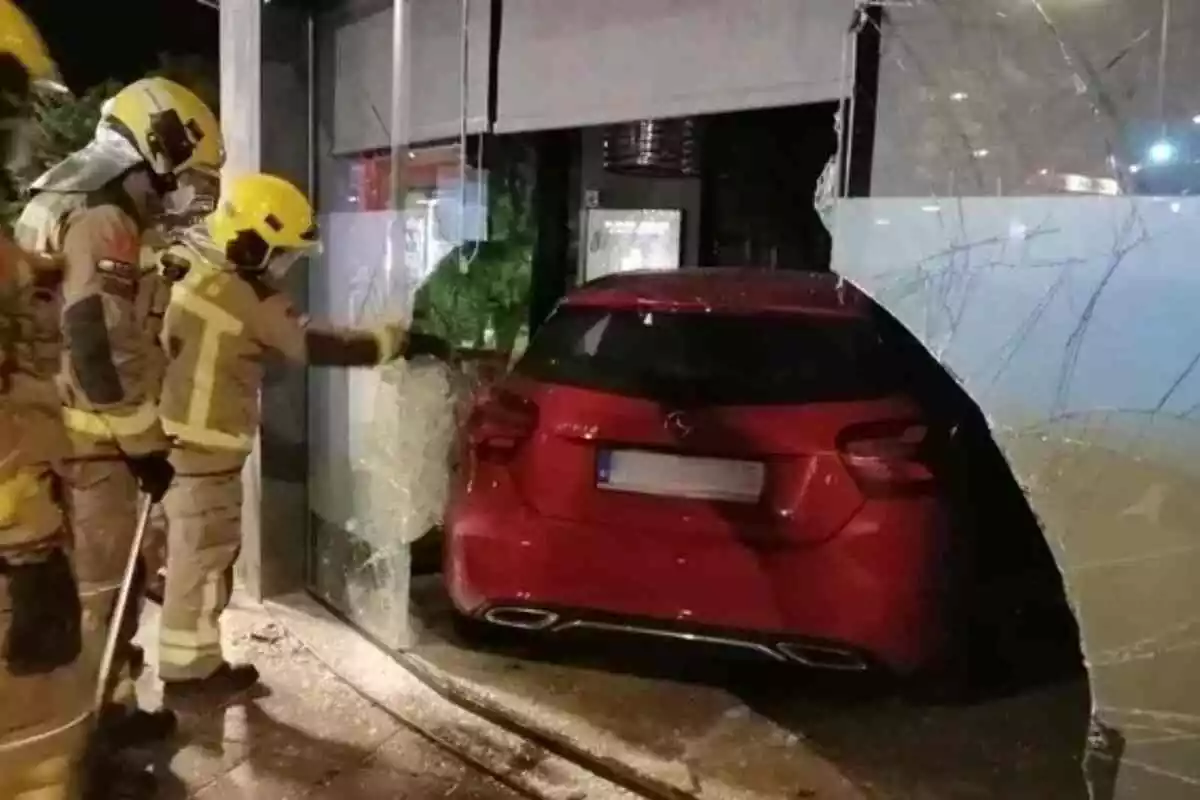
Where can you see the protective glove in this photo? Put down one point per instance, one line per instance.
(392, 339)
(154, 474)
(44, 627)
(424, 344)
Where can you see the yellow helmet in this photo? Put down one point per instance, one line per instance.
(20, 39)
(260, 217)
(171, 128)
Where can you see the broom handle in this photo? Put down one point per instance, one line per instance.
(118, 615)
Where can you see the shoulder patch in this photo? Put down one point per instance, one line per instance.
(118, 278)
(114, 236)
(115, 267)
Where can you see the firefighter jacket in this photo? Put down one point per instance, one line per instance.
(109, 367)
(219, 328)
(157, 295)
(32, 437)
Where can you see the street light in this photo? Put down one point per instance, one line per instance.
(1161, 152)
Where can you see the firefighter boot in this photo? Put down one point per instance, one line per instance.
(227, 683)
(111, 779)
(122, 727)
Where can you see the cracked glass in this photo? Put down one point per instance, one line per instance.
(379, 241)
(428, 235)
(1031, 223)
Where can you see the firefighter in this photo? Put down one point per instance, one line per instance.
(198, 201)
(93, 210)
(45, 697)
(226, 313)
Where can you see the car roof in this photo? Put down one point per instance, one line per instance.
(730, 290)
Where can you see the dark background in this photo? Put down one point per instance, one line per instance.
(93, 40)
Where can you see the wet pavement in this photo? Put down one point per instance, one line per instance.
(310, 736)
(715, 729)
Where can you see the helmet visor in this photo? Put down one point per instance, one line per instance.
(281, 260)
(193, 198)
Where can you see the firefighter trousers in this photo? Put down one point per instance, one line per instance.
(44, 719)
(102, 504)
(204, 537)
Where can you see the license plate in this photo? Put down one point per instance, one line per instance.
(669, 475)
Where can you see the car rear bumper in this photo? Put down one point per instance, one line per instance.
(584, 623)
(873, 593)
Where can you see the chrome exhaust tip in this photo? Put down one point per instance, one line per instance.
(526, 619)
(823, 657)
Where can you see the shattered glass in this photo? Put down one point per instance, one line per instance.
(434, 236)
(380, 438)
(1032, 224)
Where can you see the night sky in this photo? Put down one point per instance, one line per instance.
(121, 39)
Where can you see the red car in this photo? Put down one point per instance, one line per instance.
(717, 456)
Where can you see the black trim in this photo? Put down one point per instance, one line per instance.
(551, 195)
(706, 222)
(494, 34)
(859, 144)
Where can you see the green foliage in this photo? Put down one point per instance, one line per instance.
(493, 291)
(64, 124)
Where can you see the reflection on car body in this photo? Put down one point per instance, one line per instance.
(726, 456)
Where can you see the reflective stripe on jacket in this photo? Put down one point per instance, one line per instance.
(219, 327)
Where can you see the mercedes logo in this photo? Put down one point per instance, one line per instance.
(678, 423)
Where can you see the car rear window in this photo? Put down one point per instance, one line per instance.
(694, 358)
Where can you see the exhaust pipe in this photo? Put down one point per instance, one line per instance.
(526, 619)
(820, 657)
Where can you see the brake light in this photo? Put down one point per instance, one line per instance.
(501, 422)
(887, 456)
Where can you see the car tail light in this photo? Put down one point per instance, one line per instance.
(887, 456)
(501, 422)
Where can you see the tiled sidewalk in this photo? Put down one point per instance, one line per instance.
(309, 736)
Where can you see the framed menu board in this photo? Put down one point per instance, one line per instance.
(626, 240)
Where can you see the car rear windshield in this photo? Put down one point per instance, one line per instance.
(699, 358)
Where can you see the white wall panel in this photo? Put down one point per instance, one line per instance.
(363, 85)
(565, 63)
